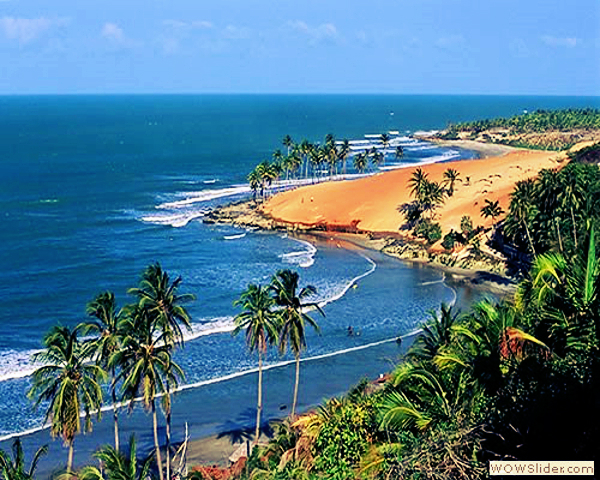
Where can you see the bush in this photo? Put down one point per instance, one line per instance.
(430, 231)
(449, 240)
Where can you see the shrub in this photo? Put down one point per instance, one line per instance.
(449, 240)
(430, 231)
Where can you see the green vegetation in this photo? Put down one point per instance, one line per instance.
(542, 129)
(14, 468)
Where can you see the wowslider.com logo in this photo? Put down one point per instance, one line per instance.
(532, 467)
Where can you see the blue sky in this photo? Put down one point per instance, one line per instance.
(546, 47)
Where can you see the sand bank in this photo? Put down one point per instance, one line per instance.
(371, 203)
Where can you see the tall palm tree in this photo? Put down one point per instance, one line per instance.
(259, 322)
(15, 469)
(68, 382)
(294, 318)
(360, 162)
(254, 181)
(399, 152)
(145, 365)
(451, 176)
(343, 153)
(492, 209)
(521, 209)
(106, 325)
(288, 143)
(385, 140)
(160, 297)
(116, 465)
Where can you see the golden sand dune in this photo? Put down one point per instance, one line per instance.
(371, 203)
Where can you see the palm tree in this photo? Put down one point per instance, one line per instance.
(360, 162)
(521, 208)
(14, 469)
(491, 209)
(288, 143)
(437, 333)
(294, 318)
(116, 465)
(385, 140)
(399, 152)
(451, 176)
(146, 365)
(417, 180)
(260, 325)
(254, 181)
(160, 297)
(68, 382)
(343, 153)
(106, 325)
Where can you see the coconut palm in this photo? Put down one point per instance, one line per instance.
(106, 325)
(160, 297)
(15, 469)
(254, 181)
(451, 176)
(437, 333)
(417, 181)
(399, 152)
(385, 140)
(492, 209)
(145, 363)
(116, 465)
(69, 382)
(288, 143)
(521, 210)
(259, 322)
(360, 162)
(294, 318)
(343, 153)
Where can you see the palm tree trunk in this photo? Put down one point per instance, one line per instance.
(559, 237)
(168, 434)
(574, 229)
(529, 238)
(70, 457)
(259, 404)
(156, 444)
(116, 419)
(296, 384)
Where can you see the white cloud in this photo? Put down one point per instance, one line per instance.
(552, 41)
(326, 32)
(116, 36)
(26, 30)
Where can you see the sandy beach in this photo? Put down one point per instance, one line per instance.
(371, 203)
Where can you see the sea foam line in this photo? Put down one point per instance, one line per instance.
(232, 376)
(351, 283)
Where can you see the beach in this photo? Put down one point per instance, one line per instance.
(371, 203)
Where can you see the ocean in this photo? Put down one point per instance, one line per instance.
(95, 188)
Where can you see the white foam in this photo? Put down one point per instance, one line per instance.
(205, 196)
(176, 220)
(210, 182)
(234, 237)
(17, 364)
(351, 283)
(426, 161)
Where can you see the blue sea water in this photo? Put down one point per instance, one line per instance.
(95, 188)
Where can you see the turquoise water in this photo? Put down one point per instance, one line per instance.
(94, 188)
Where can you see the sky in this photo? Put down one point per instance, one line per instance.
(540, 47)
